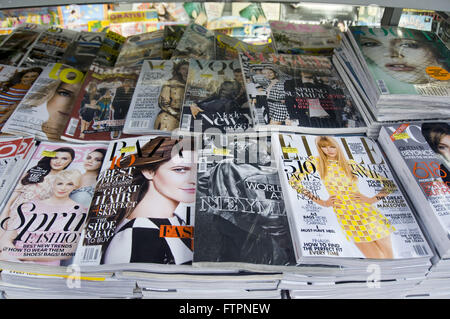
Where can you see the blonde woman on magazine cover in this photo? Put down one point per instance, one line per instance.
(59, 203)
(361, 223)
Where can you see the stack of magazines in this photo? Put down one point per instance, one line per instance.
(419, 153)
(399, 74)
(131, 167)
(346, 210)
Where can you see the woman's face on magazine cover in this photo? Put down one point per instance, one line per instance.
(403, 59)
(269, 74)
(29, 78)
(60, 161)
(444, 147)
(176, 179)
(330, 151)
(61, 102)
(93, 161)
(183, 70)
(63, 187)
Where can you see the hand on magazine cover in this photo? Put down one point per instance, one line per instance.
(195, 110)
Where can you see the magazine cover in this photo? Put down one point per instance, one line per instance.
(240, 215)
(405, 61)
(157, 102)
(44, 110)
(83, 50)
(42, 220)
(197, 42)
(299, 92)
(49, 47)
(14, 154)
(343, 200)
(140, 47)
(228, 48)
(215, 98)
(110, 49)
(196, 12)
(142, 210)
(16, 45)
(300, 38)
(101, 106)
(425, 149)
(172, 36)
(14, 84)
(9, 147)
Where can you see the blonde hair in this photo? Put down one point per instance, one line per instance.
(322, 141)
(72, 175)
(41, 94)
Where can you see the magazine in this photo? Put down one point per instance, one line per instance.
(240, 216)
(110, 49)
(14, 84)
(137, 48)
(101, 106)
(158, 99)
(405, 74)
(44, 110)
(83, 50)
(228, 48)
(142, 210)
(16, 45)
(343, 201)
(419, 151)
(197, 42)
(14, 154)
(299, 38)
(172, 35)
(49, 47)
(299, 93)
(215, 98)
(42, 220)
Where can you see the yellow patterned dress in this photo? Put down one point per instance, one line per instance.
(360, 221)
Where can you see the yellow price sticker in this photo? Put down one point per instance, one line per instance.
(290, 150)
(401, 136)
(48, 153)
(206, 75)
(223, 151)
(128, 149)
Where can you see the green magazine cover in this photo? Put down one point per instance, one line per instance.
(405, 61)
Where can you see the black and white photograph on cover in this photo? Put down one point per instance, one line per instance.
(165, 180)
(214, 98)
(240, 214)
(437, 135)
(298, 91)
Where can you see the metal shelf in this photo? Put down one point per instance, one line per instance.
(437, 5)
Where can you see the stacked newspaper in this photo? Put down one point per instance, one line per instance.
(399, 73)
